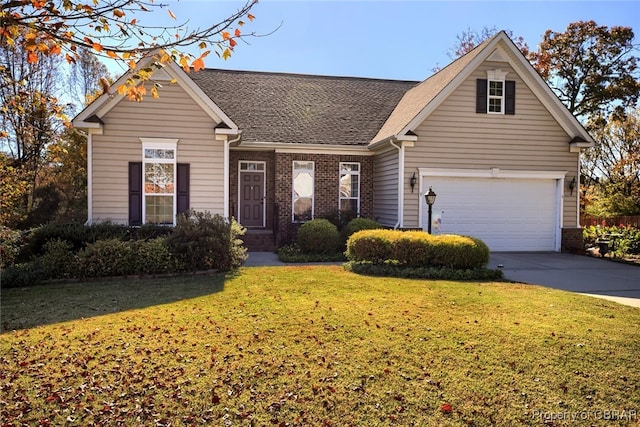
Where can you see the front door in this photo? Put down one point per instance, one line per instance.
(251, 195)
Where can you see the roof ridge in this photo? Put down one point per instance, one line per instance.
(315, 76)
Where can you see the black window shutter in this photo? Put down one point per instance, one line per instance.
(183, 187)
(135, 193)
(510, 97)
(481, 96)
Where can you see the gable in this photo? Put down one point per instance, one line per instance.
(426, 97)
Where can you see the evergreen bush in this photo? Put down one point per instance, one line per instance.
(202, 241)
(318, 236)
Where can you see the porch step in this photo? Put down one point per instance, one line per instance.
(259, 241)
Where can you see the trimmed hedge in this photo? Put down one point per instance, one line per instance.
(391, 269)
(417, 249)
(355, 225)
(318, 236)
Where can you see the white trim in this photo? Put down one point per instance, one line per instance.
(295, 148)
(352, 173)
(163, 144)
(89, 178)
(559, 212)
(264, 189)
(313, 192)
(226, 180)
(492, 173)
(400, 222)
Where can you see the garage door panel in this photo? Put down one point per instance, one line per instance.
(508, 214)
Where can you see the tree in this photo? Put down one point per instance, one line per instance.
(30, 119)
(469, 39)
(612, 167)
(591, 68)
(114, 29)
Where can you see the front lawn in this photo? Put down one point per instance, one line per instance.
(314, 345)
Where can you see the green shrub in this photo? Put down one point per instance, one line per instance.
(57, 262)
(318, 236)
(22, 275)
(201, 241)
(111, 257)
(357, 224)
(11, 241)
(628, 242)
(77, 234)
(391, 269)
(369, 245)
(417, 249)
(292, 253)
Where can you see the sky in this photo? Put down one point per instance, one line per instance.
(400, 40)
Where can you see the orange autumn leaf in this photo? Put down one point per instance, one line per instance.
(171, 14)
(251, 17)
(97, 47)
(55, 50)
(32, 58)
(198, 64)
(232, 43)
(118, 13)
(112, 54)
(237, 32)
(225, 35)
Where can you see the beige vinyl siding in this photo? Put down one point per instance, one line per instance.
(455, 136)
(174, 116)
(385, 187)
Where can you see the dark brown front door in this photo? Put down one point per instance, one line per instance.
(252, 199)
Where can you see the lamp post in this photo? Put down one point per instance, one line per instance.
(430, 198)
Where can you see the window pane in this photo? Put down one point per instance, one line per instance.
(158, 153)
(495, 105)
(303, 165)
(159, 210)
(158, 178)
(349, 167)
(302, 184)
(495, 88)
(349, 205)
(349, 186)
(302, 209)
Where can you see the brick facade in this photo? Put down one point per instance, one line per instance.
(572, 241)
(279, 175)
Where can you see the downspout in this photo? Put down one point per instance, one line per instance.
(227, 144)
(400, 148)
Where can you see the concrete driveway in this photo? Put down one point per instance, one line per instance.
(575, 273)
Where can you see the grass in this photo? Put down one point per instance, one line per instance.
(314, 345)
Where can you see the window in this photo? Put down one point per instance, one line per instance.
(349, 188)
(496, 96)
(302, 205)
(159, 179)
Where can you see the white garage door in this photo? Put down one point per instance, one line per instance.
(508, 214)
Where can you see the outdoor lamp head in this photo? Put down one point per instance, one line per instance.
(430, 197)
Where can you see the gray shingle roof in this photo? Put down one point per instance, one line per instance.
(294, 108)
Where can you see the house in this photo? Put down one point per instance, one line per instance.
(274, 150)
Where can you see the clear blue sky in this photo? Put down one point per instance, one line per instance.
(382, 39)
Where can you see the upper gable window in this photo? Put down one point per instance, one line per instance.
(495, 95)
